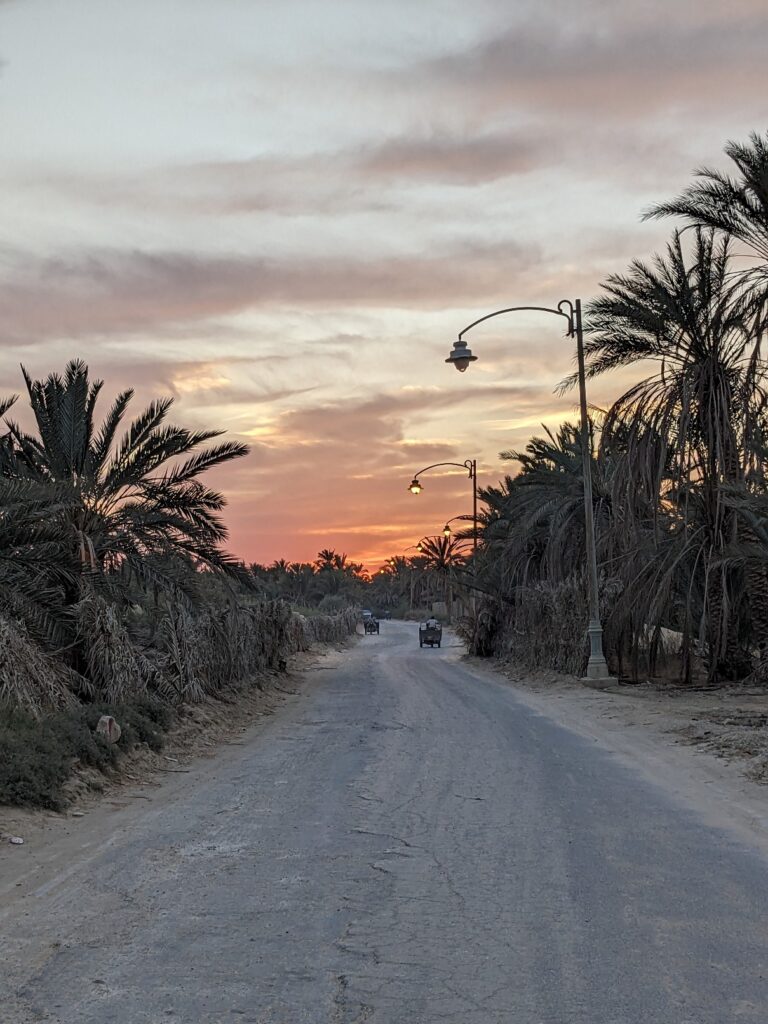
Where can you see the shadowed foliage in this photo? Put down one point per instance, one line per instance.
(678, 460)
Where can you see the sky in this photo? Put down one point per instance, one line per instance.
(281, 214)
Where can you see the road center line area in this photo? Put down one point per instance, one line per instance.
(405, 842)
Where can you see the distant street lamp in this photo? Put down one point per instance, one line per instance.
(461, 356)
(447, 531)
(470, 465)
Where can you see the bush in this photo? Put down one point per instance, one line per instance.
(34, 763)
(38, 755)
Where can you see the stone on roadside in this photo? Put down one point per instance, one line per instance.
(108, 728)
(16, 840)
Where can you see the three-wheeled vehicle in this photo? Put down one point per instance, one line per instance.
(371, 625)
(430, 633)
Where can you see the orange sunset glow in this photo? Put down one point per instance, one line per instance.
(282, 214)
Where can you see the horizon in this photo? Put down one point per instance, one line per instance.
(282, 218)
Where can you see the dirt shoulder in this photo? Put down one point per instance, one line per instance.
(203, 733)
(710, 747)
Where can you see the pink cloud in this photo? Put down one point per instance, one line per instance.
(104, 292)
(609, 64)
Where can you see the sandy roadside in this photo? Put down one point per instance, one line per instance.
(708, 747)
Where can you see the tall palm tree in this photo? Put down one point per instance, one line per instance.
(693, 428)
(120, 501)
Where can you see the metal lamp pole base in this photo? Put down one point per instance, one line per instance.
(597, 677)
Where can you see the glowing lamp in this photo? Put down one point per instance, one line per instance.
(414, 486)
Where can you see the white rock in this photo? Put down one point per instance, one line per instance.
(16, 840)
(108, 728)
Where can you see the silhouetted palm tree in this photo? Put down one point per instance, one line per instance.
(119, 501)
(737, 206)
(695, 427)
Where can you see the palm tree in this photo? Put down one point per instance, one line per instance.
(693, 429)
(736, 206)
(303, 583)
(327, 558)
(119, 501)
(546, 505)
(440, 559)
(34, 567)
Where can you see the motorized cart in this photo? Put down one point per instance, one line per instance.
(371, 625)
(430, 634)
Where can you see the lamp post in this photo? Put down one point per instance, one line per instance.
(461, 356)
(447, 531)
(470, 465)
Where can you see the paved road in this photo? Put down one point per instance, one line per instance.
(407, 843)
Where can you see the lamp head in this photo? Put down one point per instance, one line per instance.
(414, 486)
(447, 530)
(461, 356)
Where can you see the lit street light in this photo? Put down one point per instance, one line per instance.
(415, 486)
(447, 531)
(461, 356)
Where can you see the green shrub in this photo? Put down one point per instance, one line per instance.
(37, 755)
(34, 762)
(73, 731)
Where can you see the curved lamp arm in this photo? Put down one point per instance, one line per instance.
(468, 464)
(562, 306)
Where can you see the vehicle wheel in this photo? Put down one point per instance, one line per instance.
(420, 644)
(438, 643)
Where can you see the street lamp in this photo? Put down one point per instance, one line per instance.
(447, 531)
(461, 356)
(470, 465)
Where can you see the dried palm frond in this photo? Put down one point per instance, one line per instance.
(117, 669)
(30, 679)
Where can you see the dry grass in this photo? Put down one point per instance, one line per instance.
(30, 679)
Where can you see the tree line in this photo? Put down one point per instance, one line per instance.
(402, 586)
(678, 462)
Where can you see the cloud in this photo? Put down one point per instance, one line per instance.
(360, 178)
(604, 64)
(106, 291)
(461, 159)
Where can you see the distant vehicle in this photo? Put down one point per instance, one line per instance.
(367, 614)
(371, 625)
(431, 633)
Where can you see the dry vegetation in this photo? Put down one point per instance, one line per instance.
(116, 594)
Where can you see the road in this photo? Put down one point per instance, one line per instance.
(407, 842)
